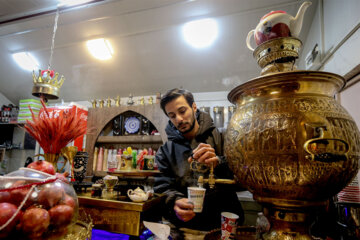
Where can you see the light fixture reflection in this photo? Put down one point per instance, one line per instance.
(200, 33)
(100, 48)
(71, 2)
(26, 61)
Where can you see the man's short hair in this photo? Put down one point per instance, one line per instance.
(174, 94)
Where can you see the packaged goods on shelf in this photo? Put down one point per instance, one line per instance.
(24, 111)
(33, 103)
(8, 113)
(33, 106)
(112, 163)
(30, 101)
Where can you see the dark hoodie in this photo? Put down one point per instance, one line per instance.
(176, 175)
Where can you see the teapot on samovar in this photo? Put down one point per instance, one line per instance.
(276, 24)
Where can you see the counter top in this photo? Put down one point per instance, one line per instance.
(245, 196)
(124, 203)
(121, 215)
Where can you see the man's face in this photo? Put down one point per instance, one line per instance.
(181, 114)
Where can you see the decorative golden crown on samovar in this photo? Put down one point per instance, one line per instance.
(47, 84)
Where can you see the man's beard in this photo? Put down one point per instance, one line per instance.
(191, 127)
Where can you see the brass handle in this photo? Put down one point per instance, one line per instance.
(198, 167)
(319, 154)
(225, 181)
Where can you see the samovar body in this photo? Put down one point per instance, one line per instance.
(292, 145)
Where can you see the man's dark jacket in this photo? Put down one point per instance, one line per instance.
(176, 175)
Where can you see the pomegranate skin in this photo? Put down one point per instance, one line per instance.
(7, 210)
(34, 222)
(61, 215)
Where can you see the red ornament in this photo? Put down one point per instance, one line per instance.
(50, 72)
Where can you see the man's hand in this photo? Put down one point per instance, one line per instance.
(184, 210)
(204, 153)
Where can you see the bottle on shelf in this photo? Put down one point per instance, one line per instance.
(105, 163)
(100, 159)
(134, 162)
(96, 151)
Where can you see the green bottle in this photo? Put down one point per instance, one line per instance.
(134, 164)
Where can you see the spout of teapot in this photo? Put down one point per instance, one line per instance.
(297, 21)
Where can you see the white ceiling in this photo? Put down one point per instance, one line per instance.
(150, 54)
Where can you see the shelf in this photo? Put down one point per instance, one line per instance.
(135, 173)
(12, 123)
(130, 139)
(100, 173)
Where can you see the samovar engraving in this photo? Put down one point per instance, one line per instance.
(291, 143)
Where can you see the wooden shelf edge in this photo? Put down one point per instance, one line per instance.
(135, 173)
(12, 123)
(122, 173)
(100, 173)
(130, 139)
(120, 204)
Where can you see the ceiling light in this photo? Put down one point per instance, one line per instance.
(26, 61)
(100, 48)
(71, 2)
(200, 33)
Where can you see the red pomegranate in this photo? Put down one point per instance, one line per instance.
(51, 195)
(34, 222)
(43, 166)
(7, 210)
(68, 200)
(61, 215)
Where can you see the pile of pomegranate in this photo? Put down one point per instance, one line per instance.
(46, 206)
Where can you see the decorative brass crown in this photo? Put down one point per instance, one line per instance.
(278, 54)
(47, 86)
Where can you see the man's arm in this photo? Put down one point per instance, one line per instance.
(165, 183)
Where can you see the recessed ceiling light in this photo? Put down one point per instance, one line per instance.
(100, 48)
(71, 2)
(200, 33)
(26, 61)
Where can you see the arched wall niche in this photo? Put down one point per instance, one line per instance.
(98, 118)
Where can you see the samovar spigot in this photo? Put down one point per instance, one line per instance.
(195, 166)
(211, 180)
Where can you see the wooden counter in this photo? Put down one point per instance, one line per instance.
(121, 216)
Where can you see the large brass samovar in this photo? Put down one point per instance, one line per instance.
(289, 141)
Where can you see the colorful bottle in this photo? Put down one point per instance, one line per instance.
(100, 159)
(134, 162)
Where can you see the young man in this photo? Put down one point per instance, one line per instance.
(192, 136)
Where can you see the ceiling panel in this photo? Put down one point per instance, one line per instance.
(150, 54)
